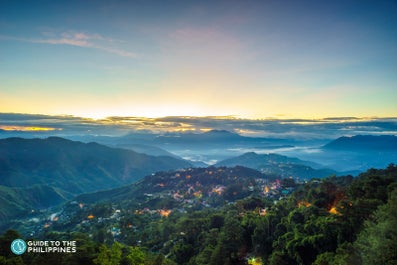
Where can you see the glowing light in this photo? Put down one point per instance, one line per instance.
(304, 204)
(198, 194)
(90, 216)
(262, 212)
(266, 190)
(255, 261)
(333, 210)
(219, 190)
(27, 128)
(164, 212)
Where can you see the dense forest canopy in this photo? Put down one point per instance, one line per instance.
(337, 220)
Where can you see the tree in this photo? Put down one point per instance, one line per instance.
(280, 258)
(204, 256)
(109, 256)
(377, 243)
(5, 242)
(6, 256)
(182, 252)
(136, 256)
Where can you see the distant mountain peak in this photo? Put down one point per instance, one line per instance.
(249, 155)
(215, 131)
(281, 165)
(222, 133)
(364, 142)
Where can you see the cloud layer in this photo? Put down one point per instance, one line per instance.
(78, 39)
(329, 128)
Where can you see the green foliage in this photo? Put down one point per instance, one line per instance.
(5, 242)
(16, 202)
(109, 256)
(136, 256)
(377, 243)
(345, 255)
(11, 261)
(335, 221)
(182, 252)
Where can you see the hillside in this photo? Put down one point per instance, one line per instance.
(185, 182)
(40, 173)
(17, 202)
(181, 190)
(279, 165)
(231, 216)
(75, 167)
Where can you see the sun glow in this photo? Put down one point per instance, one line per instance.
(27, 128)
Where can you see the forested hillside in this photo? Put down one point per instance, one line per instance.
(338, 220)
(38, 173)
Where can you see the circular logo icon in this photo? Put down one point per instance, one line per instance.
(18, 246)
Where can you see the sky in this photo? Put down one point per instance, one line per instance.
(244, 59)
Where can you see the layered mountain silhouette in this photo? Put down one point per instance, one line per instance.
(212, 137)
(279, 165)
(364, 143)
(74, 166)
(65, 168)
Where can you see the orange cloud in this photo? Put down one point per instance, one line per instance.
(26, 128)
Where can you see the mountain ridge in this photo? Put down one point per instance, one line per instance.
(75, 166)
(281, 165)
(364, 142)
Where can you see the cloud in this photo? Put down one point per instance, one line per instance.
(297, 129)
(78, 39)
(72, 42)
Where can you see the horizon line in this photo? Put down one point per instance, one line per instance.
(230, 117)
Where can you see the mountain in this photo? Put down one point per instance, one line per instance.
(364, 143)
(126, 142)
(75, 167)
(16, 202)
(147, 149)
(153, 139)
(40, 173)
(184, 183)
(206, 147)
(190, 188)
(212, 137)
(280, 165)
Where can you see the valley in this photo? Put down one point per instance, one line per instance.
(186, 212)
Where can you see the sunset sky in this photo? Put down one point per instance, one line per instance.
(248, 59)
